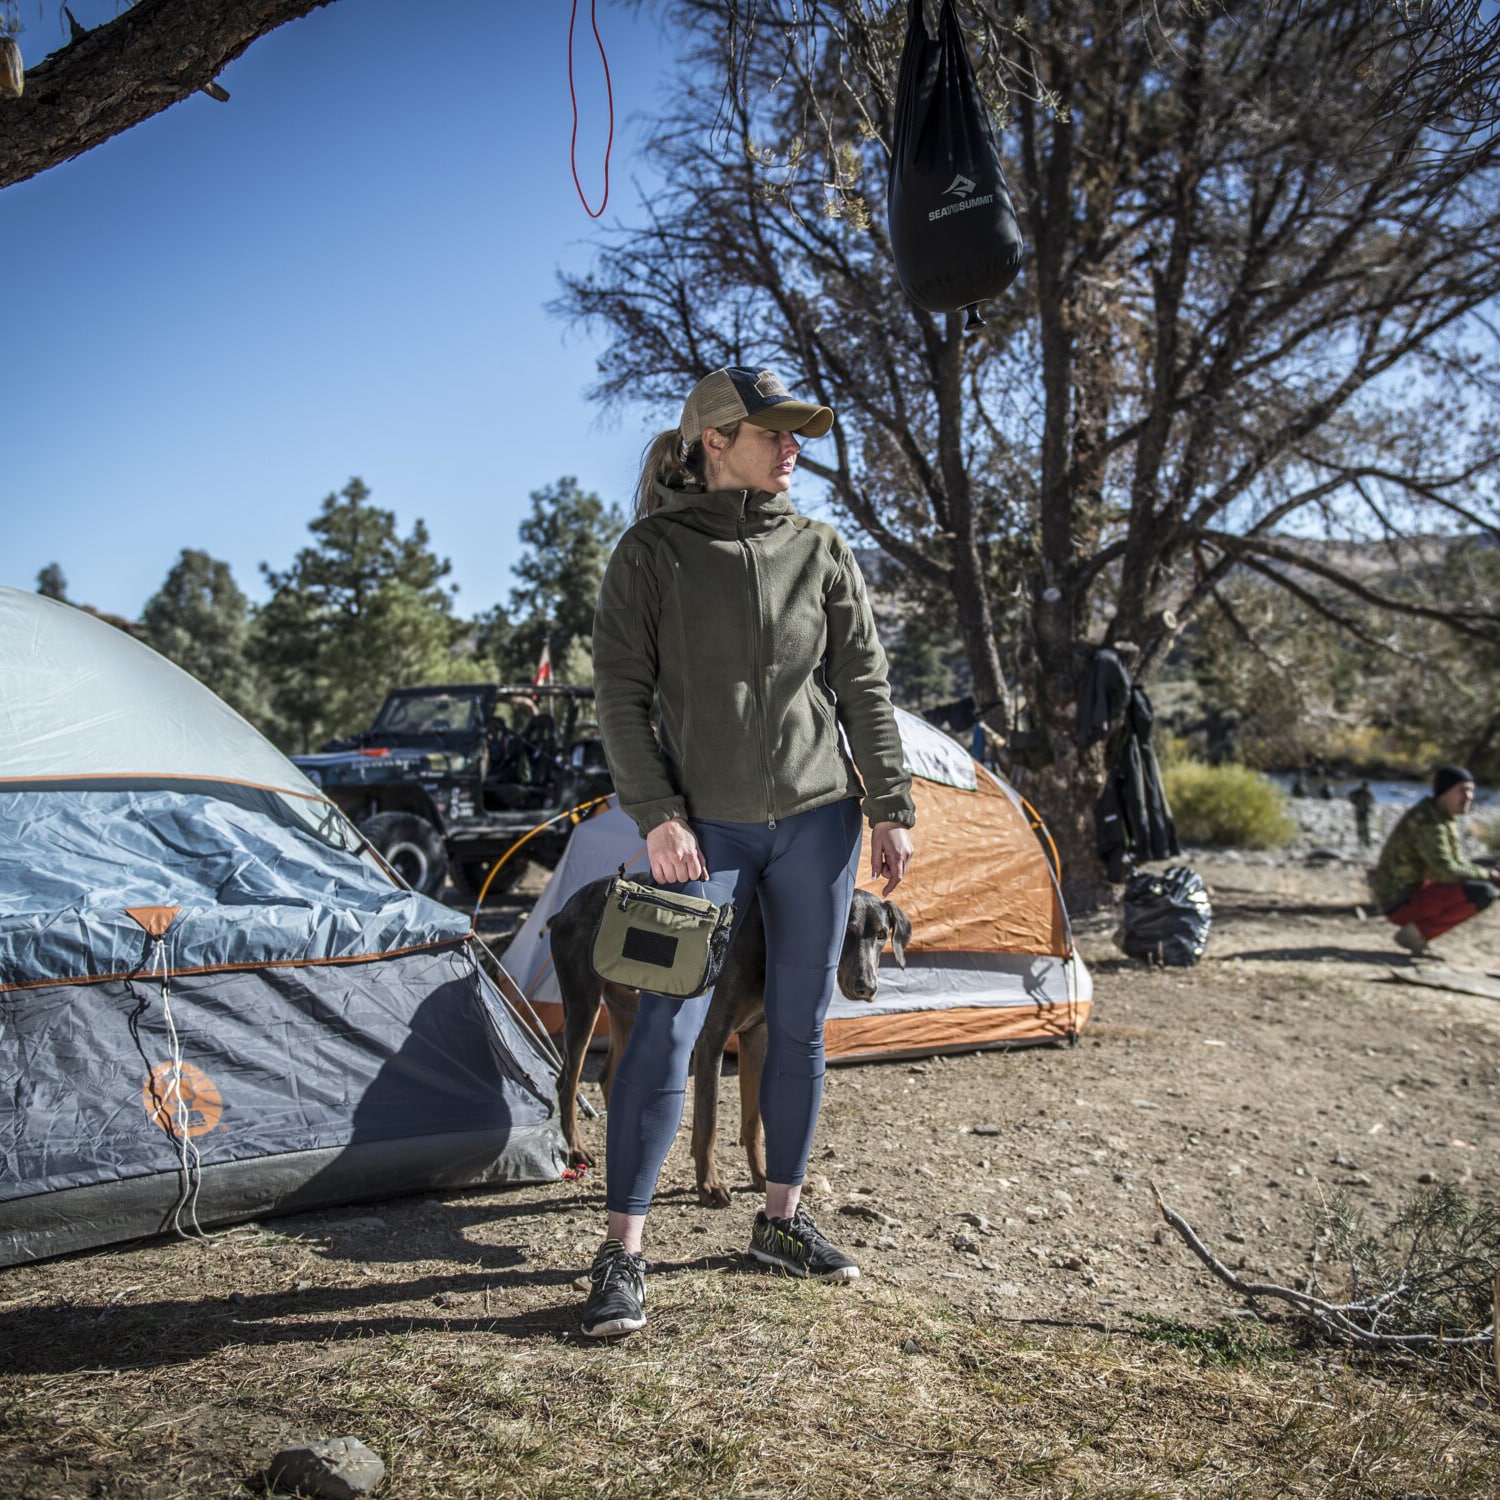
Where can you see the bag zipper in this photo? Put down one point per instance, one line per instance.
(665, 902)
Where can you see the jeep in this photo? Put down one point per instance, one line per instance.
(449, 777)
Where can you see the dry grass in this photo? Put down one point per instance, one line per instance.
(470, 1382)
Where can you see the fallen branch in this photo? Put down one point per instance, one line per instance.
(1345, 1322)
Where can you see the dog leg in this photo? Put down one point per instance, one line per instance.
(621, 1005)
(708, 1062)
(578, 1027)
(752, 1061)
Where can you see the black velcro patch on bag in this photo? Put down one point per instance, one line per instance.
(655, 948)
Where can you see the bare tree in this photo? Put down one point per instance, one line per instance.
(1251, 306)
(106, 80)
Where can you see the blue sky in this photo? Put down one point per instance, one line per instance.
(216, 318)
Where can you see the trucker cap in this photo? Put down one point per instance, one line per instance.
(754, 396)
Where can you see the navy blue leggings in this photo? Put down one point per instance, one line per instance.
(803, 870)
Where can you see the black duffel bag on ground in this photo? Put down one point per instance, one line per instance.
(954, 236)
(1167, 917)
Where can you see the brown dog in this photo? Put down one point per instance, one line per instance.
(737, 1008)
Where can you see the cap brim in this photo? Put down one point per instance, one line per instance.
(794, 416)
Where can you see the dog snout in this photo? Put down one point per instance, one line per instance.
(858, 983)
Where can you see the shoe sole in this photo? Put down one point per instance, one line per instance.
(844, 1273)
(614, 1328)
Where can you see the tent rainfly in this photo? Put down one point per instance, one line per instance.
(214, 1005)
(991, 962)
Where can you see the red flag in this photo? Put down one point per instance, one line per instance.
(543, 666)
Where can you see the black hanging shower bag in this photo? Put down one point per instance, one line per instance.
(954, 234)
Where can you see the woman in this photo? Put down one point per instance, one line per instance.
(741, 631)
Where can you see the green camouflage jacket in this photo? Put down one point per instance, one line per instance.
(1423, 846)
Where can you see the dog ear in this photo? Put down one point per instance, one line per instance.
(900, 931)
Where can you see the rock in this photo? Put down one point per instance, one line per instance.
(963, 1240)
(817, 1183)
(332, 1468)
(1427, 1178)
(989, 1265)
(1145, 1104)
(986, 1130)
(977, 1220)
(910, 1346)
(447, 1299)
(868, 1211)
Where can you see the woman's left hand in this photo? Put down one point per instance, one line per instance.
(890, 853)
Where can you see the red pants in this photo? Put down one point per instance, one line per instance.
(1435, 909)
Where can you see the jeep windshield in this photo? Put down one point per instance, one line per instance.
(427, 713)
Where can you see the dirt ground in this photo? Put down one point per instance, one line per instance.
(1006, 1192)
(1017, 1185)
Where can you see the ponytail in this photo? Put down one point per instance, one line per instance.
(670, 461)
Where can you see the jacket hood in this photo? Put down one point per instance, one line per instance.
(724, 504)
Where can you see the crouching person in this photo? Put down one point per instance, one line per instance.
(1422, 882)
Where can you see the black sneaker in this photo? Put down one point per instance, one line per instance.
(799, 1246)
(617, 1293)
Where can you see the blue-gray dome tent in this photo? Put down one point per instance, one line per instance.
(214, 1004)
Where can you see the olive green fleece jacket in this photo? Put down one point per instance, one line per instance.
(1423, 846)
(742, 631)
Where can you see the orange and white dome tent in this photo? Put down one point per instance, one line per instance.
(991, 961)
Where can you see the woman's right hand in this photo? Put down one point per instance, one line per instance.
(672, 848)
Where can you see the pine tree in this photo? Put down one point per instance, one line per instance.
(200, 619)
(568, 537)
(51, 584)
(359, 612)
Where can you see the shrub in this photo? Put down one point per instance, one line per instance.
(1485, 832)
(1226, 806)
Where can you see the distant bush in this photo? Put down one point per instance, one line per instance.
(1485, 832)
(1226, 806)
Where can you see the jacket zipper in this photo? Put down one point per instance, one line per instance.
(757, 684)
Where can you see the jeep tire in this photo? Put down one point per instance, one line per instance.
(412, 847)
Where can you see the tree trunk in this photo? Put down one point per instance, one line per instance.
(1065, 794)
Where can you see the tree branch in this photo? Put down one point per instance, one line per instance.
(149, 57)
(1339, 1320)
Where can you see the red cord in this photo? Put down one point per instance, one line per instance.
(593, 213)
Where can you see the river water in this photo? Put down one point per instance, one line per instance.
(1394, 793)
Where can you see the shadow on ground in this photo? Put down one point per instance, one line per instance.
(1382, 957)
(172, 1331)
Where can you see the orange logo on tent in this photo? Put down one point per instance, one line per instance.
(174, 1092)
